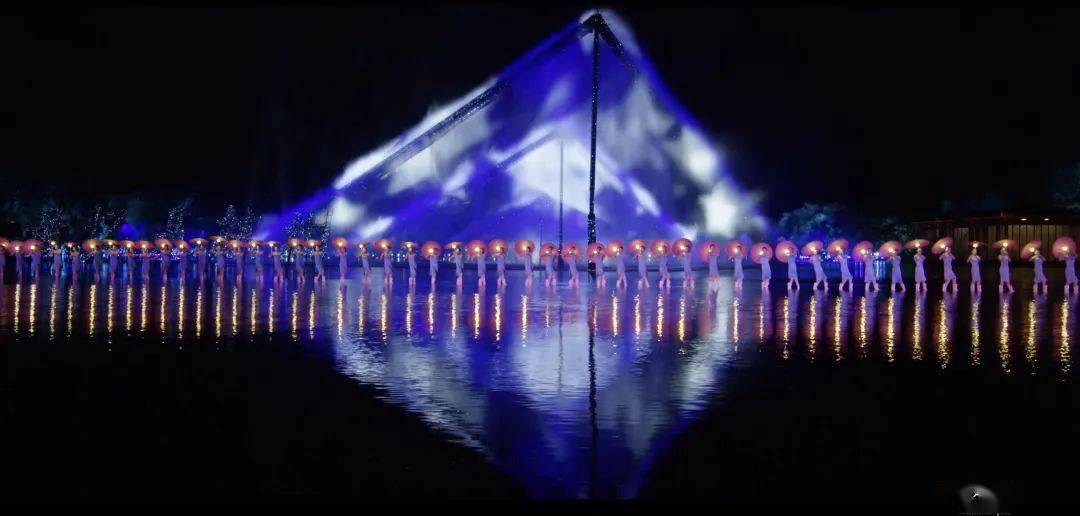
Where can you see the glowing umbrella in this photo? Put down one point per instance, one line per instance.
(614, 248)
(363, 247)
(813, 247)
(1029, 249)
(761, 252)
(454, 247)
(90, 245)
(69, 245)
(476, 248)
(144, 245)
(163, 244)
(548, 249)
(108, 242)
(198, 241)
(1005, 244)
(15, 247)
(976, 244)
(498, 247)
(785, 250)
(217, 239)
(524, 248)
(571, 249)
(1063, 246)
(918, 243)
(837, 246)
(863, 249)
(681, 247)
(384, 245)
(181, 245)
(31, 245)
(594, 250)
(126, 244)
(339, 243)
(732, 249)
(660, 247)
(236, 244)
(271, 243)
(254, 244)
(638, 246)
(942, 244)
(430, 248)
(313, 243)
(889, 248)
(3, 243)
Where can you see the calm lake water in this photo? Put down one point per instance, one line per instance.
(572, 391)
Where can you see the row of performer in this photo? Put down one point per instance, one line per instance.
(220, 251)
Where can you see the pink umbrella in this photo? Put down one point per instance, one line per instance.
(1063, 246)
(863, 249)
(681, 247)
(942, 244)
(1005, 244)
(595, 251)
(638, 246)
(812, 248)
(761, 252)
(571, 249)
(786, 250)
(889, 248)
(918, 243)
(548, 249)
(476, 248)
(430, 248)
(731, 249)
(1029, 249)
(614, 249)
(498, 247)
(524, 248)
(660, 247)
(837, 246)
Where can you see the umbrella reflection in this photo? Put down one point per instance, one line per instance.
(1003, 333)
(976, 330)
(918, 319)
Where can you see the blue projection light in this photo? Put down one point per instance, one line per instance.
(512, 158)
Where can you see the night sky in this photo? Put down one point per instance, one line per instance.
(886, 111)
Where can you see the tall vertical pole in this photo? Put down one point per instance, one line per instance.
(592, 148)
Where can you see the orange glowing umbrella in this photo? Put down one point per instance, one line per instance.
(761, 252)
(942, 244)
(638, 246)
(614, 248)
(595, 251)
(660, 247)
(813, 247)
(163, 244)
(144, 245)
(836, 247)
(126, 244)
(863, 249)
(1006, 244)
(681, 247)
(31, 245)
(976, 244)
(786, 250)
(734, 249)
(384, 245)
(198, 241)
(889, 248)
(217, 239)
(293, 242)
(1063, 247)
(3, 243)
(524, 248)
(181, 245)
(548, 249)
(918, 243)
(455, 247)
(237, 245)
(313, 243)
(15, 247)
(272, 243)
(430, 248)
(570, 249)
(108, 242)
(254, 244)
(339, 243)
(90, 245)
(476, 248)
(498, 247)
(69, 245)
(1030, 248)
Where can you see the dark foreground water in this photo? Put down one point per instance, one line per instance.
(345, 388)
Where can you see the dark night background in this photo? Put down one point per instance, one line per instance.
(914, 112)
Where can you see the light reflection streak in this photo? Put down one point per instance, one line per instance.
(180, 308)
(637, 314)
(198, 312)
(235, 313)
(863, 330)
(164, 302)
(217, 313)
(18, 308)
(93, 306)
(408, 312)
(681, 323)
(144, 310)
(33, 307)
(431, 312)
(976, 330)
(1065, 338)
(294, 318)
(110, 298)
(1003, 334)
(736, 312)
(453, 315)
(786, 330)
(52, 309)
(917, 327)
(811, 331)
(71, 309)
(1030, 344)
(384, 316)
(498, 316)
(253, 308)
(476, 315)
(524, 318)
(128, 302)
(838, 327)
(890, 330)
(311, 314)
(361, 313)
(944, 333)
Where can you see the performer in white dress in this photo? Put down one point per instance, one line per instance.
(1040, 276)
(976, 274)
(869, 276)
(819, 273)
(920, 270)
(275, 257)
(1070, 272)
(737, 260)
(950, 275)
(317, 255)
(1003, 272)
(897, 273)
(845, 271)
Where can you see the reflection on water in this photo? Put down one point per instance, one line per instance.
(572, 390)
